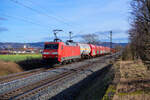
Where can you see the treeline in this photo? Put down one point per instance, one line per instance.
(140, 30)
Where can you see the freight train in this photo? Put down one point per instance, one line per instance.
(65, 52)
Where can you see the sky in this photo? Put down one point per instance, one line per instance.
(34, 20)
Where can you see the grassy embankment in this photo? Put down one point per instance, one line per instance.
(17, 63)
(17, 58)
(134, 82)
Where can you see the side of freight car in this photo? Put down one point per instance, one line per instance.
(93, 50)
(85, 50)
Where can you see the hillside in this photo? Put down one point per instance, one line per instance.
(41, 44)
(20, 45)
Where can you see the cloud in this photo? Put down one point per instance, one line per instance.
(121, 40)
(78, 36)
(115, 31)
(1, 18)
(52, 38)
(118, 35)
(2, 29)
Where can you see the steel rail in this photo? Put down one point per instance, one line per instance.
(33, 88)
(16, 76)
(24, 90)
(11, 77)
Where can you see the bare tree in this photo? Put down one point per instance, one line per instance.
(140, 31)
(91, 38)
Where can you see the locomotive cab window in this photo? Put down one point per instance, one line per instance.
(51, 46)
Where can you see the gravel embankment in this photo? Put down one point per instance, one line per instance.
(95, 64)
(26, 81)
(37, 77)
(52, 91)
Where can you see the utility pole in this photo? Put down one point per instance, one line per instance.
(110, 45)
(70, 35)
(110, 41)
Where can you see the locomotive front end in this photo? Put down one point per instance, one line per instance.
(51, 51)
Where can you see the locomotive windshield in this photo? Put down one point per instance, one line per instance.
(51, 46)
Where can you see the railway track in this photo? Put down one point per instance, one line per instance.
(33, 88)
(20, 75)
(16, 76)
(29, 89)
(25, 74)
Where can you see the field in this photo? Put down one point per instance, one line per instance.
(21, 57)
(17, 63)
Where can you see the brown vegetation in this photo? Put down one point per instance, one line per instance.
(127, 53)
(91, 38)
(140, 31)
(9, 68)
(134, 82)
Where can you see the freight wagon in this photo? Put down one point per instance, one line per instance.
(85, 50)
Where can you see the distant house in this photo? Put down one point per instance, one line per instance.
(24, 50)
(4, 52)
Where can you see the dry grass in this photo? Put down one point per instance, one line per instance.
(9, 68)
(134, 82)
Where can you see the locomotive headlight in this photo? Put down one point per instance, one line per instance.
(54, 53)
(46, 53)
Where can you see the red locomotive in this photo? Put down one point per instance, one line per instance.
(61, 52)
(67, 52)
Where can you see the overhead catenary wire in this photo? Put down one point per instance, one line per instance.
(45, 14)
(44, 9)
(39, 12)
(103, 33)
(56, 16)
(25, 20)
